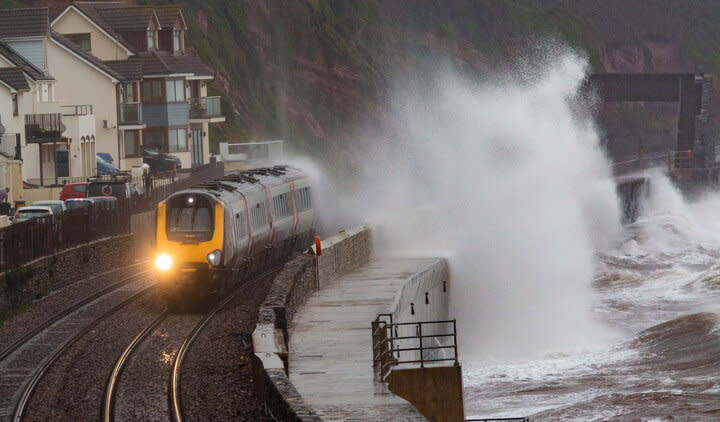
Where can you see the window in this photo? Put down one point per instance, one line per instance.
(15, 105)
(177, 140)
(155, 139)
(132, 143)
(127, 91)
(176, 42)
(82, 40)
(175, 90)
(281, 206)
(189, 219)
(259, 218)
(150, 39)
(152, 91)
(304, 202)
(82, 188)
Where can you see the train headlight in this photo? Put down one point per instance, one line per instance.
(163, 262)
(214, 257)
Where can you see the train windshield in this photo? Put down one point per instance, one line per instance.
(189, 219)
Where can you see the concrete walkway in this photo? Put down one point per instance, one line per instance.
(330, 358)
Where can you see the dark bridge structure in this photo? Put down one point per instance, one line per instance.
(691, 162)
(693, 155)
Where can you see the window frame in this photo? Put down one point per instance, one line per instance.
(77, 38)
(175, 83)
(136, 143)
(15, 105)
(177, 130)
(152, 99)
(151, 36)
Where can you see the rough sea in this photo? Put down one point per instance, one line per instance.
(658, 291)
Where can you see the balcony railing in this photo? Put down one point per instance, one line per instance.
(130, 114)
(205, 108)
(10, 145)
(76, 110)
(43, 126)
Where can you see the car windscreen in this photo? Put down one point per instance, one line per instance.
(189, 219)
(32, 213)
(107, 189)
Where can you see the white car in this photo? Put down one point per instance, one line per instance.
(26, 213)
(58, 207)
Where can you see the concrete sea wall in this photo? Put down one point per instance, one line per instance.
(341, 253)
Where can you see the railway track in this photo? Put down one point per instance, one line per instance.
(172, 408)
(24, 363)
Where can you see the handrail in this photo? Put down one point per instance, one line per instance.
(391, 348)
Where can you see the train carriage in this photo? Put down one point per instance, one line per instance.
(216, 233)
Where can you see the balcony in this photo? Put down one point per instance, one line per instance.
(77, 110)
(206, 109)
(43, 127)
(10, 145)
(130, 114)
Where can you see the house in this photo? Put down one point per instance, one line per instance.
(57, 135)
(162, 99)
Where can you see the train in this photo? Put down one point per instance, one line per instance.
(214, 234)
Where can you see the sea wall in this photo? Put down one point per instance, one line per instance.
(298, 279)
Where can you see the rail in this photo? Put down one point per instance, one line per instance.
(412, 343)
(205, 107)
(524, 419)
(77, 110)
(10, 146)
(130, 113)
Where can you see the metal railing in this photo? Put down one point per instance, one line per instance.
(412, 343)
(205, 107)
(10, 146)
(130, 113)
(27, 240)
(77, 110)
(43, 125)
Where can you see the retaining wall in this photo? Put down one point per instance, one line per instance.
(37, 278)
(341, 253)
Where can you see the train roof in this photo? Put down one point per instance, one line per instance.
(246, 182)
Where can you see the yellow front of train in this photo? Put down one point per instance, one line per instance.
(189, 243)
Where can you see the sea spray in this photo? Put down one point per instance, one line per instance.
(506, 179)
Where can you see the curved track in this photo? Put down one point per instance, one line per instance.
(175, 397)
(110, 389)
(25, 362)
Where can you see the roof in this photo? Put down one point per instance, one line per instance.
(14, 78)
(159, 63)
(18, 23)
(167, 15)
(124, 17)
(90, 10)
(74, 48)
(30, 69)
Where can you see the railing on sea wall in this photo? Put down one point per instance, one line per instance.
(421, 343)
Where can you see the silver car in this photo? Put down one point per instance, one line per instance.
(26, 213)
(58, 207)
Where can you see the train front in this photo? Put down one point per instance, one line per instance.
(189, 244)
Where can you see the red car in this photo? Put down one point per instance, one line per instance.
(74, 190)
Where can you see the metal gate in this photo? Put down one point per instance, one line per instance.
(196, 149)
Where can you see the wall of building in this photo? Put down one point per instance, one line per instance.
(73, 76)
(101, 45)
(77, 128)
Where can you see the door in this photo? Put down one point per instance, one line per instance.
(196, 149)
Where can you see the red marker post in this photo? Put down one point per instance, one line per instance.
(318, 252)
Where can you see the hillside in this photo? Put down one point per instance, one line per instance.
(313, 71)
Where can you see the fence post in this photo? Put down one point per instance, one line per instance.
(422, 359)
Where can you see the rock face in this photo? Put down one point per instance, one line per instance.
(315, 71)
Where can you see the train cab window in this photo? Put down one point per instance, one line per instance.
(189, 219)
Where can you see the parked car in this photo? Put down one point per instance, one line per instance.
(26, 213)
(58, 207)
(120, 189)
(159, 162)
(105, 202)
(75, 203)
(74, 190)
